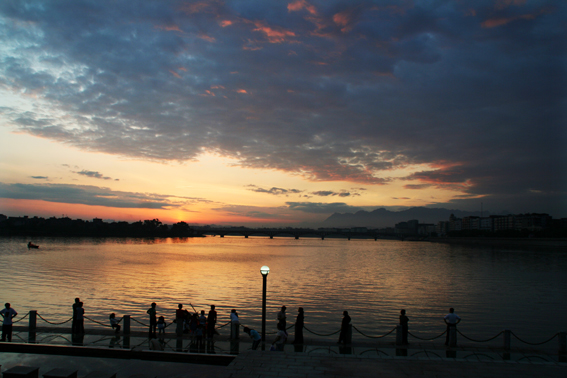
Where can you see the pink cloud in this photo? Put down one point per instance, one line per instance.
(206, 37)
(274, 34)
(175, 74)
(169, 28)
(301, 4)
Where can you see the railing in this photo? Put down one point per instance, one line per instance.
(451, 338)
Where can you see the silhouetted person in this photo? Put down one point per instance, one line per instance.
(404, 323)
(153, 318)
(80, 319)
(299, 326)
(161, 325)
(234, 316)
(211, 322)
(281, 338)
(74, 322)
(179, 318)
(8, 313)
(344, 327)
(451, 319)
(114, 322)
(255, 336)
(282, 317)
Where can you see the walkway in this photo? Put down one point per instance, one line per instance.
(256, 364)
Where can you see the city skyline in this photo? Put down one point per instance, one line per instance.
(255, 113)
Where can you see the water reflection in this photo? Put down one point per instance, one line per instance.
(372, 280)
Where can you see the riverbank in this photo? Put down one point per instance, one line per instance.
(554, 243)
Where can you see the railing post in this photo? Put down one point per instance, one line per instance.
(562, 342)
(398, 335)
(126, 323)
(507, 338)
(32, 326)
(33, 321)
(234, 330)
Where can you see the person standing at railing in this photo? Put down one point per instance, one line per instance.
(344, 327)
(80, 319)
(299, 326)
(73, 321)
(404, 323)
(153, 319)
(281, 317)
(179, 319)
(211, 322)
(451, 319)
(8, 313)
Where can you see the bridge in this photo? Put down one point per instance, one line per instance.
(296, 233)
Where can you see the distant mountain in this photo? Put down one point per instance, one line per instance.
(380, 218)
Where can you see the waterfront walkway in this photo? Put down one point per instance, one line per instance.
(257, 364)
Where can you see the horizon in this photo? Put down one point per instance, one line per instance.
(284, 113)
(310, 225)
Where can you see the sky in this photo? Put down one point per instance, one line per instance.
(266, 113)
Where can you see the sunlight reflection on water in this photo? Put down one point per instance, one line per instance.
(491, 289)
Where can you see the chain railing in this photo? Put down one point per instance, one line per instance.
(47, 321)
(427, 339)
(374, 337)
(558, 334)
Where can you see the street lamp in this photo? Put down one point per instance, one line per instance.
(264, 270)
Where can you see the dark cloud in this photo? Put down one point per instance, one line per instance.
(40, 177)
(94, 174)
(274, 190)
(94, 195)
(327, 193)
(331, 91)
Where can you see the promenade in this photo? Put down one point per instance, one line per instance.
(256, 364)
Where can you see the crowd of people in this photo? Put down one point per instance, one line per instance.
(200, 326)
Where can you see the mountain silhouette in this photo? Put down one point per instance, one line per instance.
(380, 218)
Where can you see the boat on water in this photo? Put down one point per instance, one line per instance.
(31, 245)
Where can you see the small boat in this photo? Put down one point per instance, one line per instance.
(31, 245)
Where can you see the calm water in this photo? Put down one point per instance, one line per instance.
(491, 289)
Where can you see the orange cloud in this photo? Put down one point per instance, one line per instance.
(175, 74)
(241, 91)
(274, 34)
(182, 69)
(207, 37)
(301, 4)
(225, 23)
(495, 22)
(169, 28)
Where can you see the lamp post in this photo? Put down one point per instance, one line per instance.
(264, 270)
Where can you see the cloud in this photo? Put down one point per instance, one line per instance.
(94, 196)
(478, 85)
(94, 174)
(274, 190)
(40, 177)
(327, 193)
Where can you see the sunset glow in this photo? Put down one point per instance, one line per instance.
(280, 113)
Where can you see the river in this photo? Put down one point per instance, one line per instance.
(492, 289)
